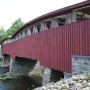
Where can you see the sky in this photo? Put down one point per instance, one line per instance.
(11, 10)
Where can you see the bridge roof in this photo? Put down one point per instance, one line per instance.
(50, 15)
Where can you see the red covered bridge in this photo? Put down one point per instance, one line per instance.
(53, 38)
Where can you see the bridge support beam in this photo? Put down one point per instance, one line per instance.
(35, 29)
(54, 23)
(51, 75)
(43, 26)
(21, 66)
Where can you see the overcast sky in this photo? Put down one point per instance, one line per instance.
(11, 10)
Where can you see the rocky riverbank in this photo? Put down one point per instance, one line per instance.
(78, 82)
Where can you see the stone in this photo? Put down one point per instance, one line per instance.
(75, 78)
(78, 84)
(47, 89)
(59, 87)
(44, 88)
(88, 84)
(54, 89)
(71, 83)
(65, 86)
(74, 83)
(86, 88)
(82, 77)
(65, 81)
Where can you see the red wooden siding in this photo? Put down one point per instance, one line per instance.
(55, 47)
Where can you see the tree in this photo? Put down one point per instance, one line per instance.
(14, 27)
(2, 33)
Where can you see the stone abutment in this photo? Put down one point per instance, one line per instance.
(21, 66)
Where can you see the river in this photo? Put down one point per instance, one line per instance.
(20, 83)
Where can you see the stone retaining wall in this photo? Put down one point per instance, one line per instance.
(80, 64)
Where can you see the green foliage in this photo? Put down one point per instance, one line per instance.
(2, 76)
(2, 33)
(14, 27)
(87, 75)
(6, 76)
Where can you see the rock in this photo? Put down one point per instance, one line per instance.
(82, 77)
(75, 78)
(65, 81)
(88, 84)
(47, 89)
(86, 88)
(77, 82)
(65, 86)
(84, 82)
(71, 83)
(59, 87)
(59, 83)
(44, 88)
(73, 87)
(55, 87)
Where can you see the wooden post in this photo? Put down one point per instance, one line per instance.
(54, 23)
(35, 29)
(43, 26)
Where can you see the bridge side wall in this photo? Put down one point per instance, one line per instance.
(53, 47)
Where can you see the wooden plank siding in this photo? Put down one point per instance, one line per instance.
(54, 47)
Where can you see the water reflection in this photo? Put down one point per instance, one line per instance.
(21, 83)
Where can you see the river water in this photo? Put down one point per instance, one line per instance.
(20, 83)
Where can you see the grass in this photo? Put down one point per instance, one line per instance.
(6, 75)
